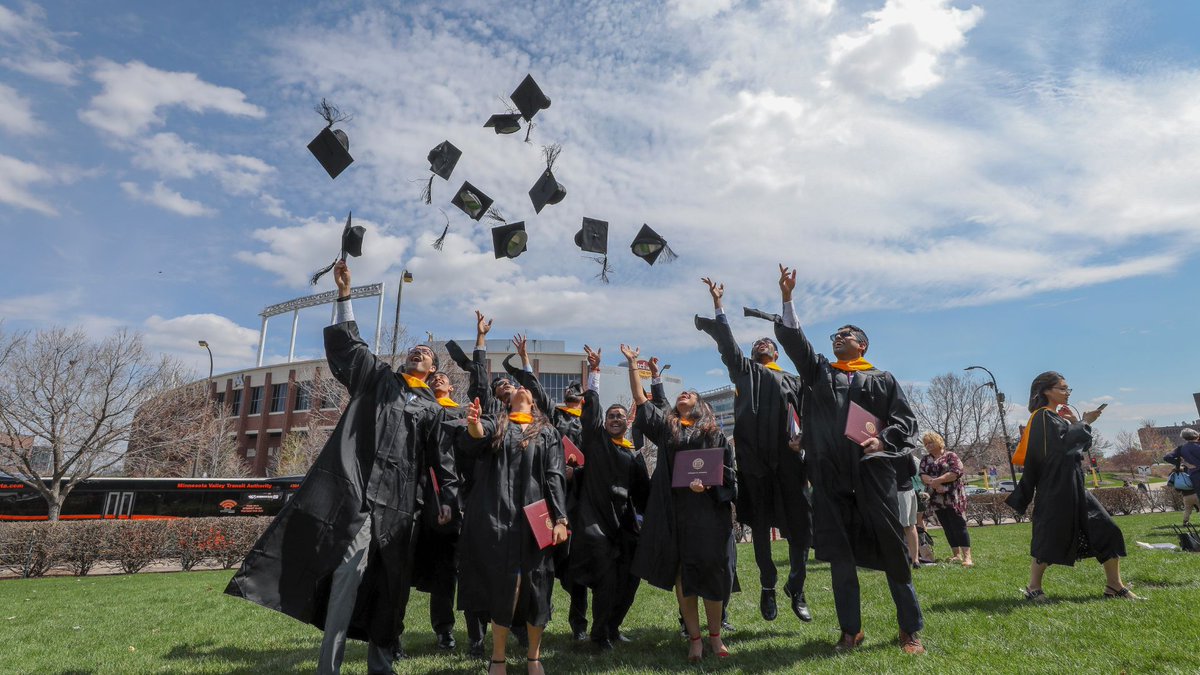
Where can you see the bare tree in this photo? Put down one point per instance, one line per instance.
(963, 411)
(78, 400)
(1129, 454)
(327, 399)
(176, 432)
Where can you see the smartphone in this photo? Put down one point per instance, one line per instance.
(1102, 407)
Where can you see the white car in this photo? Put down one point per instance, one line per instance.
(1005, 486)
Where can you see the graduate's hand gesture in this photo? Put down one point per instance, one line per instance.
(696, 485)
(654, 370)
(717, 291)
(1091, 416)
(872, 445)
(560, 533)
(444, 515)
(519, 342)
(631, 353)
(482, 323)
(474, 410)
(1067, 414)
(787, 282)
(341, 276)
(593, 358)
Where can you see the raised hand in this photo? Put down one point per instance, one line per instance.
(474, 410)
(787, 282)
(717, 291)
(482, 324)
(341, 276)
(520, 342)
(593, 358)
(653, 365)
(1091, 416)
(631, 353)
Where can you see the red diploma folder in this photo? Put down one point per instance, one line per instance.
(860, 424)
(707, 464)
(571, 453)
(540, 522)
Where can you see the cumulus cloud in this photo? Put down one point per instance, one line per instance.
(232, 345)
(16, 114)
(16, 177)
(29, 47)
(165, 198)
(171, 156)
(134, 96)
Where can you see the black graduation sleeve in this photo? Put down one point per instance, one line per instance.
(731, 353)
(530, 381)
(350, 359)
(902, 423)
(658, 395)
(652, 422)
(592, 419)
(726, 492)
(797, 347)
(554, 475)
(639, 483)
(440, 457)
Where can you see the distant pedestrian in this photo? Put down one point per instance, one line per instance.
(942, 474)
(1186, 459)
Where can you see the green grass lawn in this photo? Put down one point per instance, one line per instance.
(1107, 479)
(975, 622)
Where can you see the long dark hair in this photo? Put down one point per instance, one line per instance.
(535, 427)
(1037, 390)
(701, 417)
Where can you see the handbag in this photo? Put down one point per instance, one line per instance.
(1181, 481)
(1189, 539)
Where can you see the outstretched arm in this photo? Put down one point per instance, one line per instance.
(719, 330)
(351, 361)
(791, 338)
(658, 392)
(524, 375)
(635, 379)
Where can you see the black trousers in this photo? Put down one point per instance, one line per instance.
(614, 590)
(954, 526)
(577, 614)
(441, 612)
(477, 623)
(849, 610)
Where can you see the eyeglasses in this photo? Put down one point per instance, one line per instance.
(849, 335)
(1063, 389)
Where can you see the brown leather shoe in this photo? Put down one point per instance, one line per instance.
(849, 642)
(911, 644)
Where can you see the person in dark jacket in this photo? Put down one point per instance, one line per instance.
(1069, 524)
(1186, 458)
(518, 462)
(772, 478)
(339, 554)
(855, 516)
(687, 533)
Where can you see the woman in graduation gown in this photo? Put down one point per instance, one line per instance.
(518, 460)
(687, 533)
(1068, 523)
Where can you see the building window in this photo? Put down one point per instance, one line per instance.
(556, 383)
(303, 400)
(255, 400)
(221, 398)
(251, 452)
(235, 408)
(278, 397)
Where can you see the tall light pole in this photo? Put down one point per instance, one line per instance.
(208, 386)
(406, 278)
(1008, 448)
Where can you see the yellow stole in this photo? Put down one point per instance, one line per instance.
(773, 366)
(1023, 445)
(520, 418)
(447, 402)
(574, 412)
(623, 442)
(414, 382)
(857, 364)
(685, 422)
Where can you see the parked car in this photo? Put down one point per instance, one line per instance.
(975, 490)
(1005, 486)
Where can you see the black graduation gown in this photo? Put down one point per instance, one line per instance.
(855, 513)
(435, 562)
(611, 488)
(685, 534)
(496, 546)
(1068, 523)
(568, 425)
(771, 477)
(385, 440)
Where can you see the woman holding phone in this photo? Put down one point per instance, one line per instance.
(687, 533)
(1068, 523)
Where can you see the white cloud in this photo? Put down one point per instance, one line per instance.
(171, 156)
(16, 113)
(165, 198)
(32, 49)
(15, 178)
(716, 372)
(233, 346)
(135, 95)
(40, 307)
(900, 53)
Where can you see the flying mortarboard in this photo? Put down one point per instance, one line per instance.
(352, 241)
(547, 190)
(508, 123)
(442, 160)
(509, 240)
(472, 201)
(529, 99)
(331, 147)
(648, 246)
(592, 237)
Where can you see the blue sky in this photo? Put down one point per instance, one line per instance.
(1009, 183)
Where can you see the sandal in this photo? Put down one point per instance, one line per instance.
(724, 652)
(695, 658)
(1035, 596)
(1123, 592)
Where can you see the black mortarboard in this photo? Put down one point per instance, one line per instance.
(442, 161)
(331, 147)
(472, 201)
(528, 98)
(592, 237)
(547, 190)
(648, 246)
(352, 241)
(508, 123)
(509, 240)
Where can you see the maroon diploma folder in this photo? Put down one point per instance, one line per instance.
(540, 522)
(860, 424)
(707, 464)
(571, 453)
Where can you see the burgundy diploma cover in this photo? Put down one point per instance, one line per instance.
(860, 424)
(540, 522)
(571, 453)
(707, 464)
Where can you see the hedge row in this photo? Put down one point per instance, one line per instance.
(33, 549)
(1117, 501)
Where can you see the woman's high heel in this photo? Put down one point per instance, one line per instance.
(695, 658)
(724, 651)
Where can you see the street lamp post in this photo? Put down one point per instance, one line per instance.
(1008, 448)
(208, 385)
(406, 278)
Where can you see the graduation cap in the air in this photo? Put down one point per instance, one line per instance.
(547, 190)
(507, 123)
(442, 160)
(529, 99)
(592, 237)
(509, 240)
(472, 201)
(331, 147)
(648, 246)
(352, 241)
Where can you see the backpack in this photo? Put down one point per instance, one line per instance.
(925, 547)
(1189, 539)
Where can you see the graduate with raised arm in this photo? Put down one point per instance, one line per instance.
(339, 554)
(687, 532)
(518, 460)
(855, 513)
(610, 491)
(771, 475)
(493, 395)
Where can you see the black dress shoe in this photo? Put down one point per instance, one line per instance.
(580, 635)
(446, 641)
(475, 651)
(618, 636)
(727, 627)
(766, 605)
(398, 653)
(800, 608)
(604, 645)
